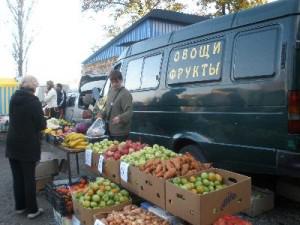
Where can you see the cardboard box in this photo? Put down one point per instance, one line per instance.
(95, 160)
(61, 220)
(86, 216)
(132, 184)
(112, 170)
(48, 165)
(262, 200)
(42, 181)
(205, 209)
(152, 188)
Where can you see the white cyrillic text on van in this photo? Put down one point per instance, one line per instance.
(217, 47)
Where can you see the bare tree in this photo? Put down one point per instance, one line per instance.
(21, 11)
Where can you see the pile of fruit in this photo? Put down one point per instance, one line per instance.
(65, 193)
(102, 146)
(115, 152)
(75, 141)
(148, 153)
(181, 165)
(60, 132)
(102, 193)
(201, 184)
(132, 215)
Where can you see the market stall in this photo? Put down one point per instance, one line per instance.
(177, 185)
(7, 88)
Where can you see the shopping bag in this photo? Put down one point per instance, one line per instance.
(97, 129)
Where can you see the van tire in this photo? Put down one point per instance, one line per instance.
(195, 151)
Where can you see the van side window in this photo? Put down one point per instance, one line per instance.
(197, 63)
(151, 71)
(255, 53)
(133, 74)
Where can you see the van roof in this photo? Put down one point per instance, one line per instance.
(250, 16)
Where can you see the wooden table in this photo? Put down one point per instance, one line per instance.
(70, 151)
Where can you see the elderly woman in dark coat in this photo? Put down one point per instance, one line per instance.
(23, 146)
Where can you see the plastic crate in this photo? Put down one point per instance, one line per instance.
(58, 200)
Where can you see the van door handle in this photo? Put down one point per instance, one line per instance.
(283, 56)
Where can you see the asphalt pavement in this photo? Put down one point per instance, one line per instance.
(286, 212)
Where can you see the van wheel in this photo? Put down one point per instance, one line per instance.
(195, 151)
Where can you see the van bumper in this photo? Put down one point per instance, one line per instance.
(288, 163)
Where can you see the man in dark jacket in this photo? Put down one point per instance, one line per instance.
(118, 108)
(23, 145)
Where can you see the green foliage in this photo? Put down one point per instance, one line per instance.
(133, 8)
(230, 6)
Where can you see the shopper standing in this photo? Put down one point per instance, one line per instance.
(118, 109)
(61, 100)
(23, 145)
(51, 100)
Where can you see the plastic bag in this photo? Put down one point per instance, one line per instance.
(97, 129)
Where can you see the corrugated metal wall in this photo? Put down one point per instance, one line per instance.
(5, 95)
(147, 29)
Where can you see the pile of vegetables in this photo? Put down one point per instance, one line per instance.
(201, 184)
(181, 165)
(63, 122)
(132, 215)
(53, 123)
(102, 193)
(148, 153)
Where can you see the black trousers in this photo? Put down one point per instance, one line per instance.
(24, 185)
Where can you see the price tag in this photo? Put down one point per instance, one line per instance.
(124, 171)
(75, 221)
(98, 222)
(88, 157)
(100, 164)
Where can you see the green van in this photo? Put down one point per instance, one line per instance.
(225, 89)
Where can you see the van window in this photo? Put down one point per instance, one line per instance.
(133, 75)
(196, 63)
(255, 53)
(151, 71)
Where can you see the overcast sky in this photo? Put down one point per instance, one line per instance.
(63, 38)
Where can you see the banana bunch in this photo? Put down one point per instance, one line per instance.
(75, 141)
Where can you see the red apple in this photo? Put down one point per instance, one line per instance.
(117, 155)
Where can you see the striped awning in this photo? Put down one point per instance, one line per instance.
(7, 82)
(5, 95)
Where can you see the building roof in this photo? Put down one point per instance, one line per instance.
(164, 16)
